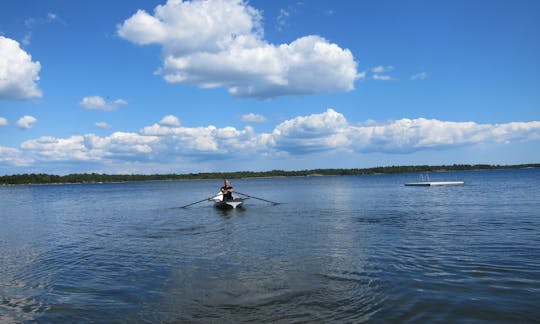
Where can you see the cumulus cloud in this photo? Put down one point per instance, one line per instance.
(253, 118)
(14, 156)
(167, 140)
(99, 103)
(103, 125)
(170, 120)
(26, 122)
(316, 132)
(330, 130)
(419, 76)
(54, 149)
(3, 121)
(120, 144)
(18, 73)
(89, 147)
(200, 140)
(219, 43)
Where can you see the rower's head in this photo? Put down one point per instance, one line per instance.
(226, 182)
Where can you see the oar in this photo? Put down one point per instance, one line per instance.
(205, 199)
(272, 202)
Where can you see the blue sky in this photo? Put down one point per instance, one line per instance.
(225, 85)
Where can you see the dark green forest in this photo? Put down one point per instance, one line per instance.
(41, 178)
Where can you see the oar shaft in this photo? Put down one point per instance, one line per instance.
(195, 203)
(205, 199)
(272, 202)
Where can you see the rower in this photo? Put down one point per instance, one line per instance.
(227, 190)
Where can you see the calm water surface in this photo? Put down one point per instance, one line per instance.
(340, 249)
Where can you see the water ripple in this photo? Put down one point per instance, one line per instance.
(341, 250)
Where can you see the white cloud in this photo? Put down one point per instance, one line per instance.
(377, 72)
(120, 144)
(361, 75)
(187, 26)
(382, 69)
(169, 120)
(409, 135)
(219, 43)
(26, 122)
(56, 149)
(382, 77)
(18, 73)
(167, 141)
(331, 131)
(14, 156)
(51, 16)
(98, 103)
(253, 118)
(311, 133)
(89, 147)
(3, 121)
(281, 19)
(30, 23)
(175, 139)
(103, 125)
(419, 76)
(119, 102)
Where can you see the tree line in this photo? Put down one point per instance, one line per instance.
(42, 178)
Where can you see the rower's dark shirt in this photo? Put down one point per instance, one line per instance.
(227, 195)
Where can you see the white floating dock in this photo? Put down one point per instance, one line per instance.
(435, 183)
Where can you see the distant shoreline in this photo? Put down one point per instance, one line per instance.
(79, 178)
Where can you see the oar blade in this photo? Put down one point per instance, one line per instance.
(269, 201)
(213, 198)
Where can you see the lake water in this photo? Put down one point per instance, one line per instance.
(339, 249)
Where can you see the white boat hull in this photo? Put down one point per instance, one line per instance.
(229, 204)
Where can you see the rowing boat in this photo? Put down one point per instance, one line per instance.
(229, 204)
(221, 203)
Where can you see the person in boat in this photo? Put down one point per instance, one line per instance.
(227, 190)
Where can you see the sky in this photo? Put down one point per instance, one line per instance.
(178, 86)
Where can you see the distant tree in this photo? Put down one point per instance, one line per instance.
(42, 178)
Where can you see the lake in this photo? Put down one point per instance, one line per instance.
(338, 249)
